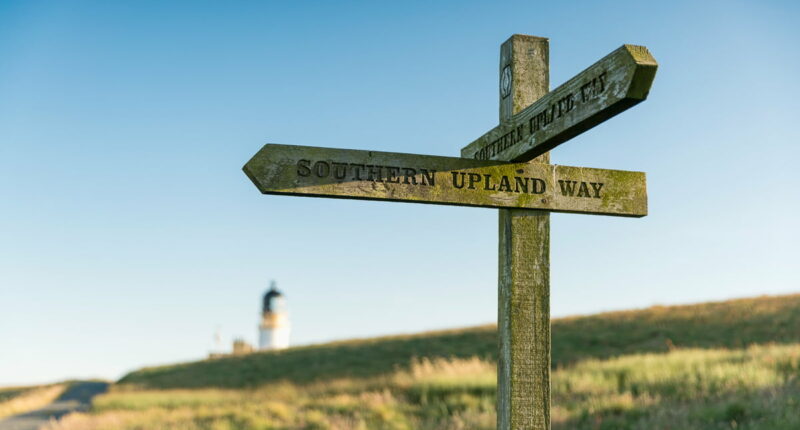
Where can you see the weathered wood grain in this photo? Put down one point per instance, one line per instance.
(523, 324)
(523, 288)
(373, 175)
(617, 82)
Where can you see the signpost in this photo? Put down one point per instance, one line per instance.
(506, 168)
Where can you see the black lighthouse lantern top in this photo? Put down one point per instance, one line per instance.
(273, 299)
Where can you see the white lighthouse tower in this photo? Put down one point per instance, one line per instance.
(274, 328)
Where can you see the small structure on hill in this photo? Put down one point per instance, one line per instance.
(273, 332)
(241, 347)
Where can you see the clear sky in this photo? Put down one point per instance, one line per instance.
(129, 234)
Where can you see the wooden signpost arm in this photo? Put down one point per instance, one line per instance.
(523, 320)
(617, 82)
(390, 176)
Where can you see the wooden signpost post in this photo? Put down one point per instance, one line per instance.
(506, 168)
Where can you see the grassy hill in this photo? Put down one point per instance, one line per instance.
(731, 324)
(728, 365)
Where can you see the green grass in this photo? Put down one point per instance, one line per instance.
(755, 388)
(732, 324)
(731, 365)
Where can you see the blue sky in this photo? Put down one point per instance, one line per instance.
(129, 234)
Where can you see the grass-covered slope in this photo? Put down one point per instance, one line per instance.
(714, 366)
(731, 324)
(754, 388)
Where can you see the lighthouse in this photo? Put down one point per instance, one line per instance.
(274, 328)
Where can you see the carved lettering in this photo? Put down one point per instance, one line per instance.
(339, 170)
(539, 186)
(566, 104)
(490, 183)
(428, 177)
(410, 174)
(587, 92)
(357, 171)
(455, 179)
(594, 87)
(519, 183)
(473, 178)
(596, 186)
(583, 191)
(322, 169)
(504, 184)
(487, 182)
(302, 167)
(393, 174)
(374, 173)
(567, 187)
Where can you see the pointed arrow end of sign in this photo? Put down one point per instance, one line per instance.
(644, 74)
(255, 167)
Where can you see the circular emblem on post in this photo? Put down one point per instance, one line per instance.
(505, 82)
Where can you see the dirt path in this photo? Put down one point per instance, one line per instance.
(76, 398)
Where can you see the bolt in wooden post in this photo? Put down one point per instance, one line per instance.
(523, 320)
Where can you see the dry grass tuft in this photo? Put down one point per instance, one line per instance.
(28, 399)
